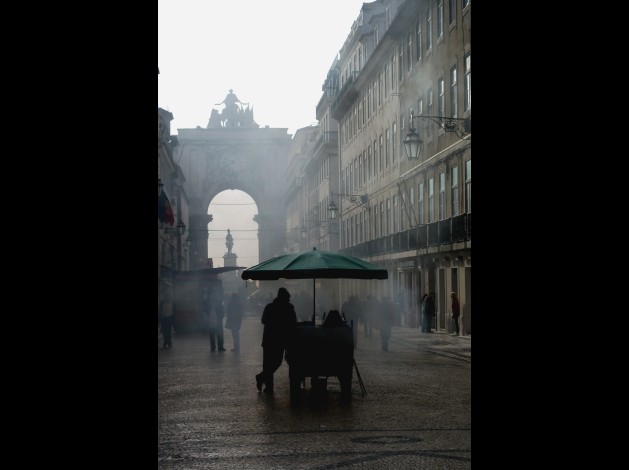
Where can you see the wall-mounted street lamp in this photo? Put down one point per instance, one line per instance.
(333, 211)
(413, 142)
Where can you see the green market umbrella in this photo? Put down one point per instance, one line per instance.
(313, 264)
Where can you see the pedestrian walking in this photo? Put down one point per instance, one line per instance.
(279, 320)
(234, 319)
(456, 312)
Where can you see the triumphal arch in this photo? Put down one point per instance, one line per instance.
(233, 152)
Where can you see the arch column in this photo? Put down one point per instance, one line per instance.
(199, 234)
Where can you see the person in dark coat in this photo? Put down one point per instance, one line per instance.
(167, 311)
(422, 313)
(456, 312)
(234, 319)
(385, 320)
(215, 314)
(351, 312)
(429, 311)
(279, 320)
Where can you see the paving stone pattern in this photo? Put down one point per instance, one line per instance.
(416, 413)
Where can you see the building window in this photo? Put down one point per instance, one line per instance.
(369, 162)
(429, 110)
(452, 11)
(386, 80)
(411, 200)
(442, 196)
(420, 203)
(395, 214)
(420, 122)
(468, 186)
(388, 218)
(400, 65)
(372, 100)
(428, 29)
(431, 200)
(409, 52)
(375, 158)
(375, 221)
(453, 93)
(418, 40)
(387, 143)
(440, 18)
(402, 211)
(360, 113)
(382, 234)
(441, 89)
(454, 184)
(466, 3)
(467, 104)
(381, 153)
(364, 172)
(351, 178)
(393, 140)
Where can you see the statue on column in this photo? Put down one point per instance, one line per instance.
(229, 242)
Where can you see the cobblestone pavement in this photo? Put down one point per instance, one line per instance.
(416, 413)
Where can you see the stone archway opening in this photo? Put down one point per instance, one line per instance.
(233, 210)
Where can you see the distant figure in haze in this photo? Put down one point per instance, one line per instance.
(422, 315)
(234, 319)
(167, 310)
(385, 320)
(279, 320)
(456, 312)
(429, 312)
(371, 308)
(351, 311)
(229, 241)
(213, 307)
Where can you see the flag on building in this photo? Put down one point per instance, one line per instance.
(164, 209)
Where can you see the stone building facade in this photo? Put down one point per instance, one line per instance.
(408, 213)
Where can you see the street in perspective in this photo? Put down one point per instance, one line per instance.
(410, 406)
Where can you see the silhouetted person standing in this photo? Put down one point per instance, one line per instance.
(385, 320)
(456, 312)
(429, 311)
(279, 320)
(351, 312)
(167, 310)
(215, 313)
(234, 319)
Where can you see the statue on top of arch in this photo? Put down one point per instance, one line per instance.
(233, 115)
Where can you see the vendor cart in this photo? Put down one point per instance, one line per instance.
(320, 352)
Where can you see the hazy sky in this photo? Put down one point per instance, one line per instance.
(274, 54)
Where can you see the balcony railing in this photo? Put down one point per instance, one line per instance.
(444, 232)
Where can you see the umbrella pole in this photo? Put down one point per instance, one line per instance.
(313, 300)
